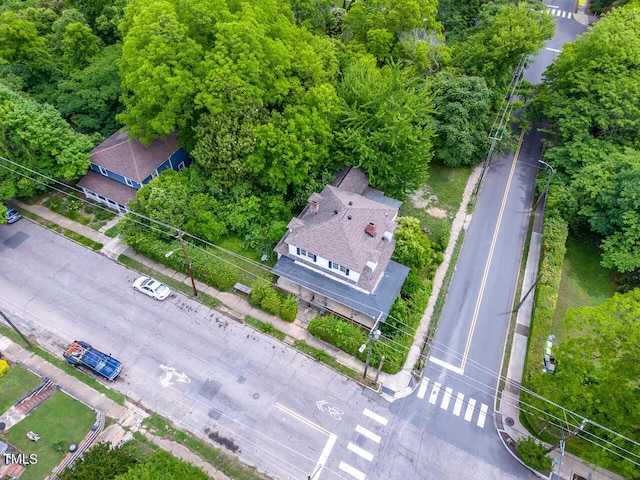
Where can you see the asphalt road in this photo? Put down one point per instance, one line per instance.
(455, 400)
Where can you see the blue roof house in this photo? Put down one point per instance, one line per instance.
(120, 166)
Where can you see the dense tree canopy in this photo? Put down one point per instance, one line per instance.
(386, 126)
(598, 370)
(503, 35)
(35, 136)
(591, 99)
(394, 30)
(463, 105)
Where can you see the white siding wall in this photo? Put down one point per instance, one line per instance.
(323, 265)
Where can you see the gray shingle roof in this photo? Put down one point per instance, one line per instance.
(341, 237)
(131, 158)
(371, 304)
(337, 231)
(108, 188)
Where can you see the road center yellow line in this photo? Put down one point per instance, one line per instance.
(489, 258)
(302, 419)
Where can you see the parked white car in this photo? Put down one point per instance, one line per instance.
(151, 287)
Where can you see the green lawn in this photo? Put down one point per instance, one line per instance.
(584, 282)
(60, 421)
(16, 383)
(444, 190)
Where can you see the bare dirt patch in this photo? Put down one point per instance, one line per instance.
(422, 198)
(437, 212)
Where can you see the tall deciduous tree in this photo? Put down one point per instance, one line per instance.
(502, 38)
(90, 98)
(35, 136)
(386, 127)
(160, 70)
(598, 371)
(606, 196)
(388, 27)
(79, 46)
(593, 87)
(463, 105)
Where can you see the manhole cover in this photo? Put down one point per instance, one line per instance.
(509, 421)
(256, 396)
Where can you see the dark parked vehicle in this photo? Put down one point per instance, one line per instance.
(81, 353)
(12, 215)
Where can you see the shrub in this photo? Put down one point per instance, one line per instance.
(289, 309)
(270, 303)
(344, 335)
(4, 368)
(533, 454)
(103, 214)
(259, 290)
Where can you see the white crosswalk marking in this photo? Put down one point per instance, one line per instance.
(354, 472)
(360, 451)
(423, 388)
(374, 416)
(434, 393)
(470, 406)
(368, 433)
(458, 405)
(554, 10)
(482, 416)
(445, 400)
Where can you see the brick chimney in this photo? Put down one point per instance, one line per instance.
(314, 206)
(371, 229)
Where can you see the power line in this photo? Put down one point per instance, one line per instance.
(155, 227)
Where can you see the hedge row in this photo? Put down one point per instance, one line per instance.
(205, 267)
(554, 238)
(397, 332)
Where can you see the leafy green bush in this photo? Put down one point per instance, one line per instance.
(103, 214)
(289, 309)
(271, 302)
(259, 290)
(533, 454)
(344, 335)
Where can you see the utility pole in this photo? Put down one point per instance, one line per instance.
(15, 328)
(564, 439)
(374, 334)
(186, 262)
(546, 187)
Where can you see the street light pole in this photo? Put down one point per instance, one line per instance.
(546, 187)
(374, 334)
(186, 261)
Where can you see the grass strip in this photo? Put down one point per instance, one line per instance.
(265, 327)
(324, 357)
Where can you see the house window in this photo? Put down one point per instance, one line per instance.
(103, 171)
(180, 166)
(128, 181)
(339, 267)
(304, 253)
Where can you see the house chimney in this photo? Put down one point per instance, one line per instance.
(314, 206)
(371, 229)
